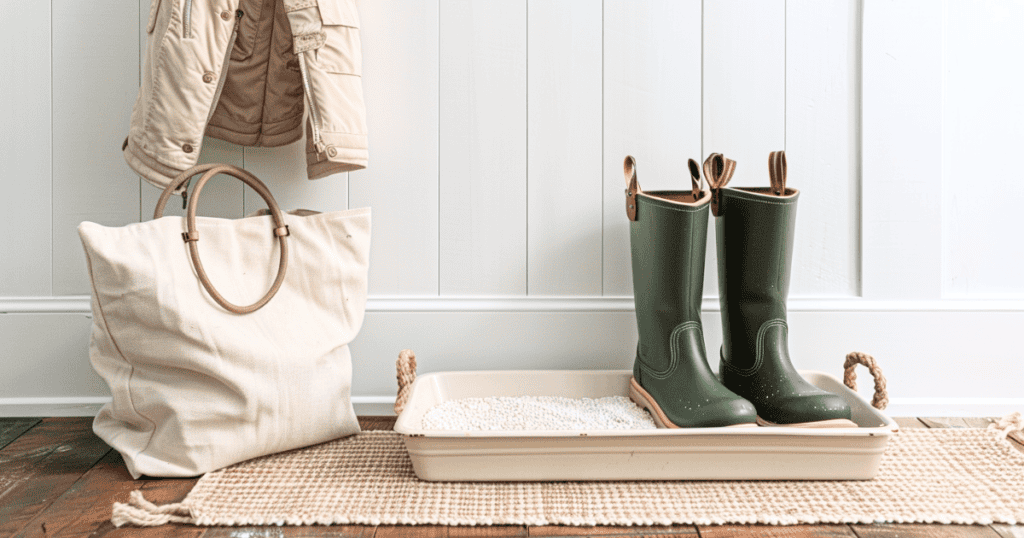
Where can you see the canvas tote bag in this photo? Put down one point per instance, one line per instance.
(207, 367)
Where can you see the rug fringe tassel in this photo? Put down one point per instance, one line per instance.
(142, 513)
(1011, 423)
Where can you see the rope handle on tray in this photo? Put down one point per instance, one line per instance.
(406, 366)
(881, 397)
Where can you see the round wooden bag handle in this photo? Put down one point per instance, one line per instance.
(191, 236)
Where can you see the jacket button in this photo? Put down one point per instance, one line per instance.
(187, 148)
(208, 77)
(332, 151)
(226, 15)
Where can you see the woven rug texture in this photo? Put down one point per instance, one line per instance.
(967, 476)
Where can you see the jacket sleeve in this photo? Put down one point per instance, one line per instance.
(326, 42)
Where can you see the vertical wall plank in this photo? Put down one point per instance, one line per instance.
(400, 82)
(564, 170)
(483, 147)
(283, 169)
(744, 94)
(95, 81)
(25, 153)
(902, 150)
(823, 144)
(745, 84)
(982, 133)
(652, 110)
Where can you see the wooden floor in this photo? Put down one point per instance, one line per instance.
(58, 479)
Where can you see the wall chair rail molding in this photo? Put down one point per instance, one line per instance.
(79, 304)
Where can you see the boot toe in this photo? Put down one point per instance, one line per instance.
(725, 412)
(805, 408)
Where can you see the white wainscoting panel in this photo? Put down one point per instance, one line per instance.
(400, 86)
(982, 134)
(25, 151)
(902, 149)
(482, 192)
(823, 145)
(652, 110)
(95, 82)
(565, 189)
(47, 355)
(929, 369)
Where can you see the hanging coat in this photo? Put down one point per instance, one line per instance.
(244, 71)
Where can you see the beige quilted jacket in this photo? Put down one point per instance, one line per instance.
(240, 70)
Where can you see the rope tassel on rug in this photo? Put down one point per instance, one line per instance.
(142, 513)
(1012, 423)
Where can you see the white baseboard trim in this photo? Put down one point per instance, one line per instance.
(80, 304)
(384, 405)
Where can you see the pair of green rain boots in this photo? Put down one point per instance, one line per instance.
(757, 384)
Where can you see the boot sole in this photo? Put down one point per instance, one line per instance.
(830, 423)
(642, 398)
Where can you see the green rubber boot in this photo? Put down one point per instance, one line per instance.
(671, 376)
(754, 231)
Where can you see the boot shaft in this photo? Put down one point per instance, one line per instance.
(668, 242)
(754, 236)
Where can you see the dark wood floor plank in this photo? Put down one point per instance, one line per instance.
(41, 464)
(377, 422)
(978, 422)
(907, 423)
(923, 531)
(945, 422)
(411, 531)
(1009, 531)
(86, 505)
(312, 531)
(768, 531)
(611, 530)
(494, 531)
(12, 428)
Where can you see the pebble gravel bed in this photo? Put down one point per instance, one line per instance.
(521, 413)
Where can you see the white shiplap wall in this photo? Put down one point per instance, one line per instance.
(497, 132)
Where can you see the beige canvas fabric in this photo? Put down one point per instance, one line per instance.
(244, 71)
(195, 387)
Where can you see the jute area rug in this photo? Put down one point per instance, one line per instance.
(967, 476)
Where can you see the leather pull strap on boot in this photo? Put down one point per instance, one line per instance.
(754, 232)
(671, 376)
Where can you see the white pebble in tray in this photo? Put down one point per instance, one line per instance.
(517, 413)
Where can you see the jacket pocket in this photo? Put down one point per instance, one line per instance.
(154, 10)
(338, 13)
(341, 28)
(249, 26)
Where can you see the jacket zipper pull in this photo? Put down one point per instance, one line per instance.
(184, 195)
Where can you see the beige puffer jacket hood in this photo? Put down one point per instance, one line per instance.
(240, 71)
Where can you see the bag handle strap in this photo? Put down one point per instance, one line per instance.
(191, 236)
